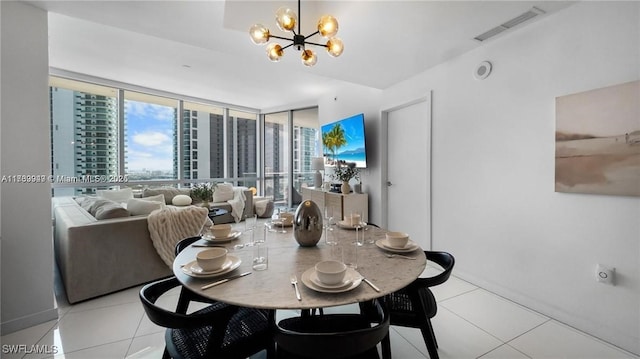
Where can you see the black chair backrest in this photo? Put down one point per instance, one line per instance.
(185, 243)
(333, 335)
(446, 261)
(150, 293)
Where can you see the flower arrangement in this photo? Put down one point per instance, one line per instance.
(345, 171)
(203, 191)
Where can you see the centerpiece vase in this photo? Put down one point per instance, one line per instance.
(307, 224)
(345, 188)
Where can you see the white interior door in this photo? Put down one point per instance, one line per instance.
(409, 170)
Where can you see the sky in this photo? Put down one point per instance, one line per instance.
(149, 136)
(608, 111)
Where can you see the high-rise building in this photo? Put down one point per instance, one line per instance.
(87, 145)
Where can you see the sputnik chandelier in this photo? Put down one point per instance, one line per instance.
(286, 20)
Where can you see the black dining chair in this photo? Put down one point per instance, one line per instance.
(414, 305)
(216, 331)
(187, 296)
(334, 336)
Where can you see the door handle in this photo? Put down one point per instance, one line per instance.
(389, 184)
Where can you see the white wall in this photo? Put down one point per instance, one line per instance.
(494, 205)
(348, 101)
(27, 254)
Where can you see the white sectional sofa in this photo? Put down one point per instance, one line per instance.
(101, 256)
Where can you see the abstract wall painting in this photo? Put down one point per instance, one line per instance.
(598, 141)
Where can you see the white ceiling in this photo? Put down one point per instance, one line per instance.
(202, 48)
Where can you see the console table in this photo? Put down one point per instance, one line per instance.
(342, 204)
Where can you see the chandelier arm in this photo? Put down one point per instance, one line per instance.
(291, 44)
(315, 33)
(280, 37)
(313, 43)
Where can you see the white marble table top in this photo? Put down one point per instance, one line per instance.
(272, 289)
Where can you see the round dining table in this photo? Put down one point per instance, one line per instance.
(272, 288)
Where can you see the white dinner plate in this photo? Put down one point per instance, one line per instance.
(347, 225)
(351, 275)
(229, 238)
(314, 278)
(384, 244)
(235, 263)
(196, 269)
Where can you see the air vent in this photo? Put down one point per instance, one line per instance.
(510, 24)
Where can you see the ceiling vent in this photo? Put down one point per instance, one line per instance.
(533, 12)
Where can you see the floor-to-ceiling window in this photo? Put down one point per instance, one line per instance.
(150, 137)
(243, 155)
(276, 157)
(144, 139)
(84, 134)
(203, 141)
(305, 145)
(291, 140)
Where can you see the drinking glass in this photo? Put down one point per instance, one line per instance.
(250, 222)
(356, 221)
(350, 254)
(260, 257)
(328, 227)
(260, 237)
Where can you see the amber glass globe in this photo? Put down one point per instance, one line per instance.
(259, 34)
(328, 26)
(335, 46)
(309, 58)
(286, 19)
(274, 52)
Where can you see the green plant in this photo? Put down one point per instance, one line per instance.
(203, 191)
(346, 171)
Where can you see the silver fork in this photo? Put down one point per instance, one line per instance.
(294, 281)
(389, 255)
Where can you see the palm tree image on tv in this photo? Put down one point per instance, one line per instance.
(334, 139)
(344, 141)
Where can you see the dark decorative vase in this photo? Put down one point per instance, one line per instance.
(307, 224)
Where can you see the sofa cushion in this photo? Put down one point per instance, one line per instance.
(264, 208)
(102, 208)
(141, 206)
(116, 195)
(168, 192)
(223, 193)
(181, 200)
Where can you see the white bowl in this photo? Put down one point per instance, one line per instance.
(397, 239)
(220, 230)
(331, 272)
(211, 259)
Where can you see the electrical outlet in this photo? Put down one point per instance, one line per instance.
(605, 274)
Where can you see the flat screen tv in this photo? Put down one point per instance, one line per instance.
(344, 140)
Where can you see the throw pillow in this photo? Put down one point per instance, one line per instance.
(223, 193)
(110, 210)
(116, 195)
(141, 206)
(102, 208)
(181, 200)
(156, 198)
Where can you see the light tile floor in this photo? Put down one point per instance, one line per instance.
(471, 323)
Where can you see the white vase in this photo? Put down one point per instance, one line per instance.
(345, 188)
